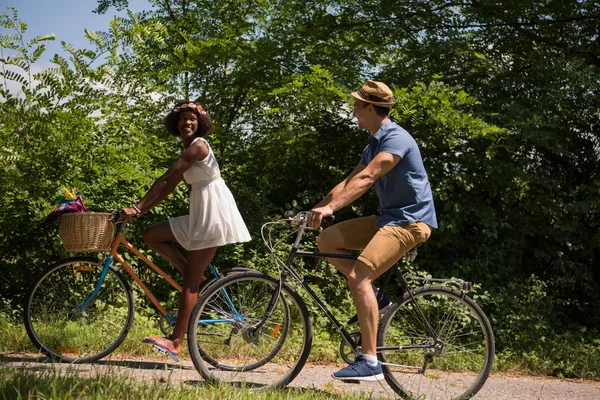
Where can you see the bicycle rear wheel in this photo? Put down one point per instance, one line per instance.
(223, 345)
(454, 363)
(64, 328)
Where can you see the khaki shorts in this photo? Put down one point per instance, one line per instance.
(383, 247)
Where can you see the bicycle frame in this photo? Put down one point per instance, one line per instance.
(115, 255)
(289, 270)
(434, 339)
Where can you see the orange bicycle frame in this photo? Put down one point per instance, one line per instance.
(120, 240)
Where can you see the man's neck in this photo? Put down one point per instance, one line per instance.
(377, 124)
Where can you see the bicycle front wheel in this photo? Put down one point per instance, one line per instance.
(210, 279)
(167, 325)
(439, 346)
(67, 321)
(225, 345)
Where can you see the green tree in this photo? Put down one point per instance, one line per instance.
(71, 126)
(502, 98)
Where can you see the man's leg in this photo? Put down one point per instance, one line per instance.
(366, 366)
(352, 234)
(356, 234)
(332, 241)
(383, 250)
(360, 280)
(360, 231)
(388, 245)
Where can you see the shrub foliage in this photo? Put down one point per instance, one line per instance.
(503, 101)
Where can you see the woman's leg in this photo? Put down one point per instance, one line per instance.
(160, 238)
(197, 261)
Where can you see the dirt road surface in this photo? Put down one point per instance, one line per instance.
(318, 378)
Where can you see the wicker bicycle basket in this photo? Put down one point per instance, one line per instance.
(83, 232)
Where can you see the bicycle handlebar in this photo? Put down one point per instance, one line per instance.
(116, 217)
(302, 218)
(298, 220)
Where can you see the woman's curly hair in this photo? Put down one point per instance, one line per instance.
(204, 121)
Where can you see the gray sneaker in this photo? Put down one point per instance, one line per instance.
(360, 370)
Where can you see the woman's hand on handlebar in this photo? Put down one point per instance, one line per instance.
(317, 214)
(129, 214)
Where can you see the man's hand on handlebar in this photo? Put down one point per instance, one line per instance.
(317, 214)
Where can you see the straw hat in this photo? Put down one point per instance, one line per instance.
(376, 93)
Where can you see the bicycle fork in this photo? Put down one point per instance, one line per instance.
(251, 334)
(107, 263)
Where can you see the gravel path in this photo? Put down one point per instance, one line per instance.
(317, 377)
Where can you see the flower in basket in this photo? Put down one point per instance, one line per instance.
(67, 203)
(68, 195)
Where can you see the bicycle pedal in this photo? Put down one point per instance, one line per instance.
(160, 350)
(352, 381)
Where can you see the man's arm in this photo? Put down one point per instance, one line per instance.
(339, 187)
(357, 183)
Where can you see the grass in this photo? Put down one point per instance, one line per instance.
(564, 356)
(50, 384)
(14, 339)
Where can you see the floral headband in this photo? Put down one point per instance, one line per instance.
(192, 106)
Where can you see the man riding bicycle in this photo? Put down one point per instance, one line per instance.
(392, 163)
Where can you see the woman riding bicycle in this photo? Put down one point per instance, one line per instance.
(213, 219)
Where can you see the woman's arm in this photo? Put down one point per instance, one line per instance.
(167, 182)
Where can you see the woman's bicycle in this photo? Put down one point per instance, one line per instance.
(81, 308)
(253, 329)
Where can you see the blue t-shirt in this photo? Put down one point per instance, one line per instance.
(404, 192)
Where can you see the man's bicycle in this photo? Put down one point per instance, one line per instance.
(253, 329)
(81, 308)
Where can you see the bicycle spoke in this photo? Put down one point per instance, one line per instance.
(454, 362)
(257, 358)
(58, 327)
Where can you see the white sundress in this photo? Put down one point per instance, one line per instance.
(214, 219)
